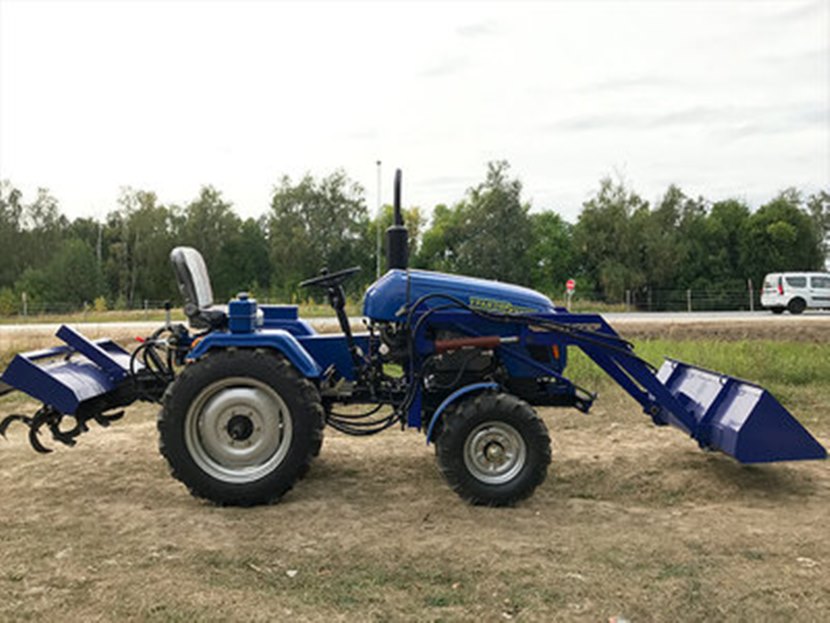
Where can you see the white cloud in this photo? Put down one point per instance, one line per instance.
(721, 98)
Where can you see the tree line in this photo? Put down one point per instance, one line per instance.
(619, 243)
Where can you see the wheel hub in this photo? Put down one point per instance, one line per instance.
(238, 430)
(240, 427)
(495, 452)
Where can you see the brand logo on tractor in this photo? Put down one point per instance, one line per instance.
(494, 305)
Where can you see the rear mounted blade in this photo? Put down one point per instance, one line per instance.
(51, 377)
(736, 417)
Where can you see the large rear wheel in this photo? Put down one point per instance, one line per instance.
(240, 427)
(493, 449)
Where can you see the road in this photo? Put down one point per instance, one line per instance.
(143, 328)
(738, 316)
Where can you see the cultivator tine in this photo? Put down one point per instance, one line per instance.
(4, 425)
(46, 416)
(66, 437)
(52, 419)
(34, 424)
(105, 419)
(35, 442)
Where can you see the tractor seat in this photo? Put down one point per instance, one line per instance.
(194, 284)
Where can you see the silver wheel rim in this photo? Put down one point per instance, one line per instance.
(238, 430)
(495, 452)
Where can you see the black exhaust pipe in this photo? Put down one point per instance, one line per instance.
(397, 237)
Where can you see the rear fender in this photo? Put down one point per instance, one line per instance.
(277, 339)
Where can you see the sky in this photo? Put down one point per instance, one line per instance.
(725, 99)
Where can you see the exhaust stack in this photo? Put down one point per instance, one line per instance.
(397, 237)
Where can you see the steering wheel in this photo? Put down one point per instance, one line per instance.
(330, 280)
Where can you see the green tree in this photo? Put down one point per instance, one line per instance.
(496, 228)
(73, 274)
(551, 253)
(11, 237)
(818, 206)
(780, 236)
(140, 237)
(608, 243)
(486, 234)
(315, 224)
(439, 244)
(209, 223)
(44, 227)
(723, 232)
(243, 263)
(693, 262)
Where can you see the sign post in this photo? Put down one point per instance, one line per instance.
(570, 286)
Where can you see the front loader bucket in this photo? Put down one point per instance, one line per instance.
(736, 417)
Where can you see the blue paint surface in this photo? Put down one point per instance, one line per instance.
(277, 339)
(468, 389)
(399, 288)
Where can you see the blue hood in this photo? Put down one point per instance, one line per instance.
(399, 288)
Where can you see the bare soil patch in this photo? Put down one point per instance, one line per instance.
(786, 329)
(633, 521)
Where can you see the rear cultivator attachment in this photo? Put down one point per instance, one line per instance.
(48, 417)
(82, 380)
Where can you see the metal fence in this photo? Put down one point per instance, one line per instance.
(693, 300)
(666, 300)
(646, 300)
(27, 308)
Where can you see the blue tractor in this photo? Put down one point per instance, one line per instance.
(246, 390)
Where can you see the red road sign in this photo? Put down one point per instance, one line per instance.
(570, 284)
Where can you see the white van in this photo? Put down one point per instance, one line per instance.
(796, 292)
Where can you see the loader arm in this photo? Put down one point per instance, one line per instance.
(719, 411)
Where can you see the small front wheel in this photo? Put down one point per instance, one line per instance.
(493, 449)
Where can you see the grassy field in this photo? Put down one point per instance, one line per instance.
(633, 521)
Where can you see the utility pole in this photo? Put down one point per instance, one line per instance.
(378, 213)
(98, 245)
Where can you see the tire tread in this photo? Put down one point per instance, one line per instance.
(457, 424)
(170, 417)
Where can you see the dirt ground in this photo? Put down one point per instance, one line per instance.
(633, 521)
(787, 328)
